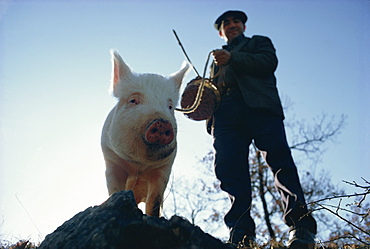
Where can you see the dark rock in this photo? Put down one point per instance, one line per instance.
(118, 223)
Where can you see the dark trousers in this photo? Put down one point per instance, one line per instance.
(235, 126)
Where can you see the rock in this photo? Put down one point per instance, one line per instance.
(119, 223)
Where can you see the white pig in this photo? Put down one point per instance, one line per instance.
(139, 134)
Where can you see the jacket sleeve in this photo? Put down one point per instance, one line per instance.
(257, 58)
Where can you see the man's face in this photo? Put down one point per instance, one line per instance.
(230, 28)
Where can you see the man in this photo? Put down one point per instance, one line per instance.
(250, 110)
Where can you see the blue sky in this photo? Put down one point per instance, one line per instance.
(54, 77)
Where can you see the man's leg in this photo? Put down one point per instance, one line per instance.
(232, 169)
(231, 165)
(270, 137)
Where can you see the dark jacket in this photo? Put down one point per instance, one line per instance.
(252, 68)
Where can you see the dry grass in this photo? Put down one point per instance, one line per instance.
(22, 244)
(25, 244)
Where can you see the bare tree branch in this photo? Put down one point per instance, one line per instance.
(344, 219)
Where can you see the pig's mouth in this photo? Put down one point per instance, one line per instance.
(159, 152)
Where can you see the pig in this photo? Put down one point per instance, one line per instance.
(139, 135)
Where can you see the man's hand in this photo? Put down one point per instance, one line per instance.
(221, 57)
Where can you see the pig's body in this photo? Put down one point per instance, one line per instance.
(139, 134)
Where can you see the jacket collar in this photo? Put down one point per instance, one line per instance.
(234, 42)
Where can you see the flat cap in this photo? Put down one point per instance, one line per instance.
(235, 13)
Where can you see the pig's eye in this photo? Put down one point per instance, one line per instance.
(133, 101)
(170, 106)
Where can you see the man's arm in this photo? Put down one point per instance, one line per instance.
(261, 60)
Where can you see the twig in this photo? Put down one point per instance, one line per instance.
(343, 209)
(357, 185)
(338, 196)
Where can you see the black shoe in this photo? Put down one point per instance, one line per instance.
(248, 242)
(241, 239)
(301, 238)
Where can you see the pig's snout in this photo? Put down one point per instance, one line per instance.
(160, 132)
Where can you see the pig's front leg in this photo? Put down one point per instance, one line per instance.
(116, 177)
(157, 182)
(154, 205)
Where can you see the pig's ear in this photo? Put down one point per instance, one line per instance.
(178, 76)
(120, 71)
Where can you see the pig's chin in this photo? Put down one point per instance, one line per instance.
(157, 152)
